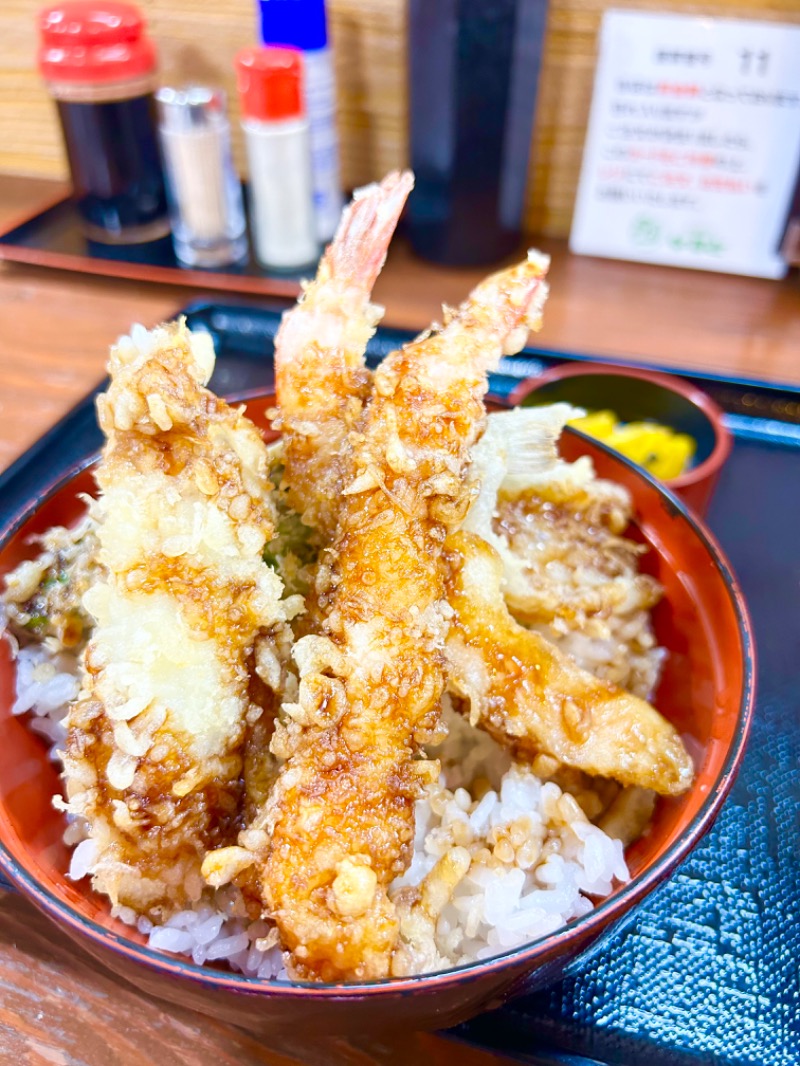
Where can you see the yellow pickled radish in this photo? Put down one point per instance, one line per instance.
(656, 447)
(598, 424)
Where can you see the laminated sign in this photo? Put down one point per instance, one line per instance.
(693, 146)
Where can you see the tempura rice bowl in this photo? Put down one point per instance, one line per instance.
(706, 690)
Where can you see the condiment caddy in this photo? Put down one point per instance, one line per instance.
(146, 161)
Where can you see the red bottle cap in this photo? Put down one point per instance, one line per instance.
(94, 41)
(270, 82)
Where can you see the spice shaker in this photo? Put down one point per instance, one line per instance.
(204, 192)
(279, 157)
(100, 68)
(303, 24)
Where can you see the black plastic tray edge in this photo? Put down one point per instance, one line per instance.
(17, 479)
(24, 230)
(202, 305)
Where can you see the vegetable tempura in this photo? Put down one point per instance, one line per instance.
(153, 761)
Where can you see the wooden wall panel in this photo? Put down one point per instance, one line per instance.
(199, 38)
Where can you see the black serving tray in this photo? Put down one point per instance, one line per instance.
(709, 969)
(53, 237)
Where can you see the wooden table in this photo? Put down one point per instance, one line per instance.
(56, 1005)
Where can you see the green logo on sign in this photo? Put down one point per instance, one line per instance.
(645, 231)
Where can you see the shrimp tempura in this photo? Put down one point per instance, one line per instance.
(533, 698)
(339, 823)
(153, 761)
(322, 382)
(321, 379)
(513, 682)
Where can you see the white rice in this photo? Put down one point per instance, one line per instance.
(46, 684)
(536, 860)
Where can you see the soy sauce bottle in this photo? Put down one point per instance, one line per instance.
(473, 74)
(100, 68)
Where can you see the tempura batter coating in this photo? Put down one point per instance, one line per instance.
(340, 820)
(153, 760)
(526, 693)
(568, 569)
(42, 597)
(321, 379)
(542, 542)
(322, 383)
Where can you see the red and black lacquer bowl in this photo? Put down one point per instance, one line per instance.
(636, 395)
(707, 691)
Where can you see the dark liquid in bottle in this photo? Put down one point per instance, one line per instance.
(115, 164)
(473, 72)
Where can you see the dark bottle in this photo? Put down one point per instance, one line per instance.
(790, 241)
(101, 69)
(473, 71)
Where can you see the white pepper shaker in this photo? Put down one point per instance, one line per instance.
(203, 189)
(303, 24)
(278, 147)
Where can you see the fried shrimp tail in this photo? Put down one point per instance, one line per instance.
(154, 761)
(321, 379)
(339, 824)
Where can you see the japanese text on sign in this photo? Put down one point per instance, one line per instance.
(694, 143)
